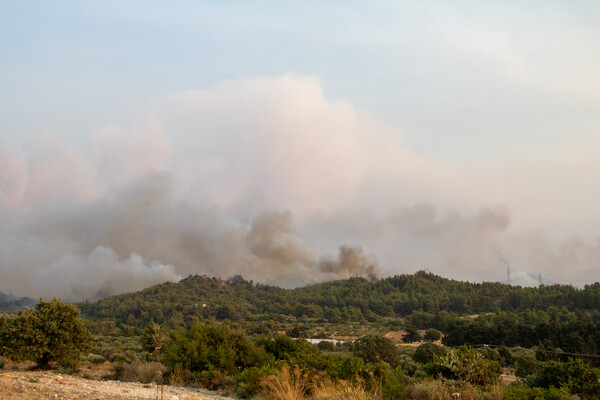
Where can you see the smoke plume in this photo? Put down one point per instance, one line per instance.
(264, 178)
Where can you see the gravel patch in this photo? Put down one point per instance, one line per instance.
(46, 385)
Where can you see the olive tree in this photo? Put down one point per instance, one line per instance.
(50, 332)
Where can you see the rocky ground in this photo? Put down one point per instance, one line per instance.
(46, 385)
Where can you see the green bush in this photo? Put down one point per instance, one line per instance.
(373, 349)
(426, 352)
(248, 382)
(214, 348)
(522, 392)
(117, 358)
(393, 385)
(96, 359)
(431, 335)
(578, 376)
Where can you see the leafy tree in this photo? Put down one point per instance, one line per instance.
(431, 335)
(467, 364)
(426, 352)
(52, 331)
(373, 349)
(577, 375)
(155, 339)
(412, 335)
(214, 348)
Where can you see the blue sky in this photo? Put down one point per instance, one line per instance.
(459, 106)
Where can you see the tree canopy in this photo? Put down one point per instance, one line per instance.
(52, 331)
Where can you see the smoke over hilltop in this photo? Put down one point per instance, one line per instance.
(263, 178)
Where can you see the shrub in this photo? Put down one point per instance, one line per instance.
(248, 382)
(326, 346)
(522, 392)
(578, 376)
(96, 359)
(373, 348)
(393, 385)
(149, 372)
(117, 358)
(426, 352)
(214, 348)
(431, 335)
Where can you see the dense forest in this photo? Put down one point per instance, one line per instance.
(353, 300)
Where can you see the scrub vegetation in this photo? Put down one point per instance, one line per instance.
(406, 337)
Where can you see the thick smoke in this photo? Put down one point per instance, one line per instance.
(261, 178)
(350, 262)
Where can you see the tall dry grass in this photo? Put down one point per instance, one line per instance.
(342, 390)
(287, 385)
(451, 390)
(295, 384)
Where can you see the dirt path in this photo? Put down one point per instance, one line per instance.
(44, 385)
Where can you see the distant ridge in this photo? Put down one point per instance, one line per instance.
(201, 298)
(10, 303)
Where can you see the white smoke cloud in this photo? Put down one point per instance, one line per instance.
(100, 273)
(261, 177)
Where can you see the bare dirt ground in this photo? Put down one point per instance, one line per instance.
(48, 385)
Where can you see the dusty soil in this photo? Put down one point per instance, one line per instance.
(46, 385)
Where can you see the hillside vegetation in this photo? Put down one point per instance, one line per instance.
(198, 298)
(249, 339)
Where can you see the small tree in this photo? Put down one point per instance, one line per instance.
(431, 335)
(427, 352)
(373, 349)
(412, 335)
(52, 331)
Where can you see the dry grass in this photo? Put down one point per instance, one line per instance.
(287, 385)
(444, 390)
(327, 390)
(294, 384)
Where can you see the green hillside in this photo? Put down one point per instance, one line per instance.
(198, 298)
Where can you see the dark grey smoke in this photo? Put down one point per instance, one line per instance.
(351, 262)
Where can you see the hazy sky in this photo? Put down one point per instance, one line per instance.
(296, 141)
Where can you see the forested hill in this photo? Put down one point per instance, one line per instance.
(9, 303)
(199, 298)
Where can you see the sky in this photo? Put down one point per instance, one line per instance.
(296, 142)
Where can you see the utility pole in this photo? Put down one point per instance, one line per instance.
(508, 274)
(540, 279)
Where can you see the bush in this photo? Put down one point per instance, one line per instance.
(373, 349)
(393, 385)
(207, 349)
(117, 358)
(431, 335)
(96, 359)
(522, 392)
(249, 380)
(149, 372)
(326, 346)
(526, 365)
(578, 376)
(426, 352)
